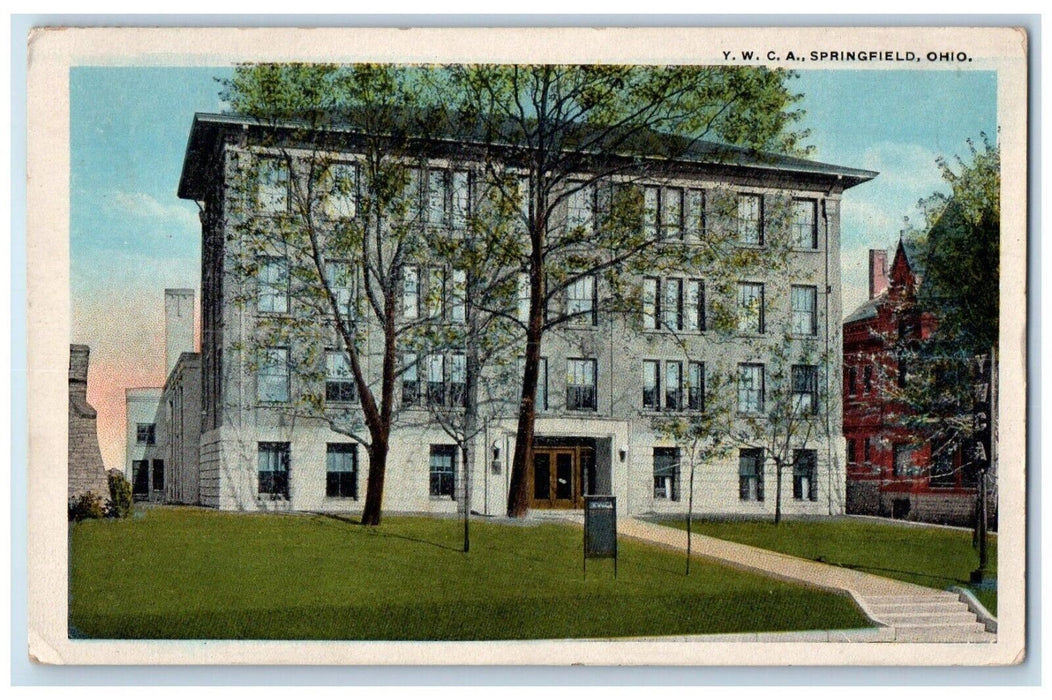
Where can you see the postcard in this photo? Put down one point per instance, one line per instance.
(676, 346)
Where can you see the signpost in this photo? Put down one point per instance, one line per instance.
(600, 530)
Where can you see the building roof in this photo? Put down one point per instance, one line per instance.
(914, 257)
(207, 127)
(866, 310)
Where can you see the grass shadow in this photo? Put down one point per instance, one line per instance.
(375, 532)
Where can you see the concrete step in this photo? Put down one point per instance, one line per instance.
(950, 627)
(919, 598)
(930, 634)
(952, 618)
(921, 608)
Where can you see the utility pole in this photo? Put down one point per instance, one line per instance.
(983, 452)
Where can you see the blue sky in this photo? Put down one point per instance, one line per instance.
(131, 237)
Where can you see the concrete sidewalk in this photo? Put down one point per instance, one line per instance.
(903, 611)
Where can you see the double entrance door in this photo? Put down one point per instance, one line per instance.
(562, 476)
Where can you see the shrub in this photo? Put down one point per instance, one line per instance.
(86, 505)
(120, 504)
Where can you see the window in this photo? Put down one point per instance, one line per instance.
(272, 188)
(436, 292)
(943, 472)
(651, 385)
(436, 198)
(750, 219)
(523, 193)
(272, 377)
(436, 380)
(805, 467)
(442, 474)
(141, 477)
(273, 469)
(666, 473)
(804, 301)
(458, 297)
(673, 386)
(904, 465)
(805, 389)
(272, 279)
(341, 470)
(461, 199)
(696, 386)
(851, 381)
(540, 399)
(524, 297)
(750, 388)
(672, 316)
(672, 212)
(650, 211)
(805, 230)
(903, 371)
(410, 380)
(750, 307)
(458, 377)
(867, 379)
(145, 433)
(581, 207)
(695, 307)
(580, 301)
(580, 385)
(651, 302)
(852, 451)
(866, 447)
(341, 191)
(695, 223)
(158, 475)
(410, 292)
(340, 276)
(339, 381)
(750, 475)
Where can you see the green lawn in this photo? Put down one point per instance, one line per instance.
(199, 574)
(929, 556)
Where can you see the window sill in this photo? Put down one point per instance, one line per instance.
(443, 499)
(342, 499)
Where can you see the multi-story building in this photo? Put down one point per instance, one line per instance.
(891, 471)
(603, 377)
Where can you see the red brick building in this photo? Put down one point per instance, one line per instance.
(891, 472)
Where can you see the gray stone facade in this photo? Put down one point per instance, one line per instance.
(617, 432)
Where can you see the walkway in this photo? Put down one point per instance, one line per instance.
(905, 612)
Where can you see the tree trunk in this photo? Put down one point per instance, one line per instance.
(518, 487)
(777, 491)
(375, 487)
(690, 513)
(465, 457)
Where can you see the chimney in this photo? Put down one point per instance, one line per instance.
(78, 366)
(878, 272)
(178, 325)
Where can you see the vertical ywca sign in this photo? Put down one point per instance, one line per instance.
(600, 530)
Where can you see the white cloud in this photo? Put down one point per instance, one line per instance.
(145, 206)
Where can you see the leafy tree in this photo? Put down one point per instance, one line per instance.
(343, 240)
(554, 132)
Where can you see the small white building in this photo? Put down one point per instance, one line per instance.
(147, 423)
